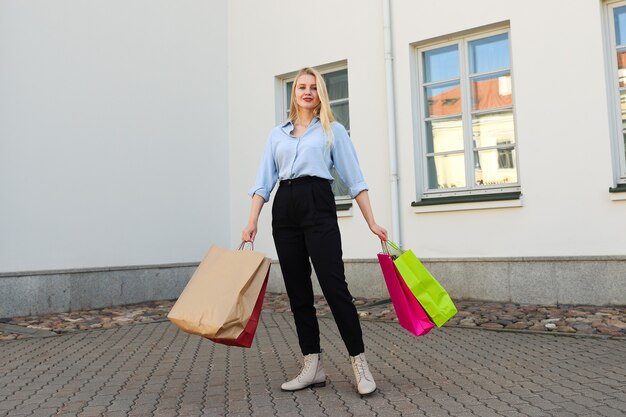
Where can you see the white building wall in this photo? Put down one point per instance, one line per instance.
(562, 133)
(560, 108)
(113, 133)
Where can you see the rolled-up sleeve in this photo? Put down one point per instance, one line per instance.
(346, 162)
(267, 174)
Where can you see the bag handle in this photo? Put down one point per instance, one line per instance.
(392, 249)
(386, 244)
(393, 245)
(383, 244)
(243, 245)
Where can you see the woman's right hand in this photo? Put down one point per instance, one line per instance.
(381, 232)
(249, 233)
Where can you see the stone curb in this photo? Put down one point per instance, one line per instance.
(369, 310)
(25, 331)
(29, 333)
(536, 332)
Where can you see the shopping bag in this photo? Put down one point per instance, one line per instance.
(220, 297)
(431, 295)
(410, 313)
(246, 337)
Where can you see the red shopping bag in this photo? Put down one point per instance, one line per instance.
(246, 337)
(409, 311)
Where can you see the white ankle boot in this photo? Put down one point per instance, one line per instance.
(364, 379)
(312, 374)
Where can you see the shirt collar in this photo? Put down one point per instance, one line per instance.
(288, 126)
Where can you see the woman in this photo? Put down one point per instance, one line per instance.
(300, 154)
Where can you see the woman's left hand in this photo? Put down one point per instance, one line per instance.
(381, 232)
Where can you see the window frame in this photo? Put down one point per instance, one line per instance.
(470, 192)
(344, 202)
(617, 130)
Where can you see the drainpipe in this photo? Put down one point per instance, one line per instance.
(391, 126)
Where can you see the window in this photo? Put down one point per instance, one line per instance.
(617, 49)
(468, 144)
(337, 85)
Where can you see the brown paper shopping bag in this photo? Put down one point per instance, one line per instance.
(221, 294)
(247, 336)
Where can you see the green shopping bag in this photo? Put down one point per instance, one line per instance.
(431, 295)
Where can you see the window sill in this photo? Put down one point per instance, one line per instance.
(618, 192)
(344, 209)
(468, 202)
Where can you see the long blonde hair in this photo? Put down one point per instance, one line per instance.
(323, 110)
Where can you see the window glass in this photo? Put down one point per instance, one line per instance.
(443, 99)
(493, 129)
(619, 15)
(489, 54)
(621, 67)
(495, 167)
(444, 135)
(337, 84)
(446, 171)
(491, 91)
(342, 114)
(288, 87)
(623, 109)
(441, 64)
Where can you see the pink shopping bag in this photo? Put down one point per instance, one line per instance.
(409, 311)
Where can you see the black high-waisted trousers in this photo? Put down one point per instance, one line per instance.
(304, 225)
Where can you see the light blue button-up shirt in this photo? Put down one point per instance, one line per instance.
(287, 157)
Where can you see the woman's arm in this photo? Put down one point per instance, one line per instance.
(249, 232)
(363, 200)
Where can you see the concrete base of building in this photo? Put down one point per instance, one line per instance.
(548, 281)
(41, 292)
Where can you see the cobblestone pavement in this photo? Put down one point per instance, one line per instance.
(154, 369)
(579, 320)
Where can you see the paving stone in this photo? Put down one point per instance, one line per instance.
(9, 405)
(584, 401)
(483, 411)
(609, 412)
(512, 413)
(120, 406)
(531, 411)
(405, 407)
(543, 404)
(160, 412)
(452, 372)
(44, 412)
(387, 411)
(137, 413)
(73, 406)
(283, 409)
(497, 405)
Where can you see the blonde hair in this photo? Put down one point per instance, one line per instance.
(323, 110)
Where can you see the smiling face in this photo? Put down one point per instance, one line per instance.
(306, 92)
